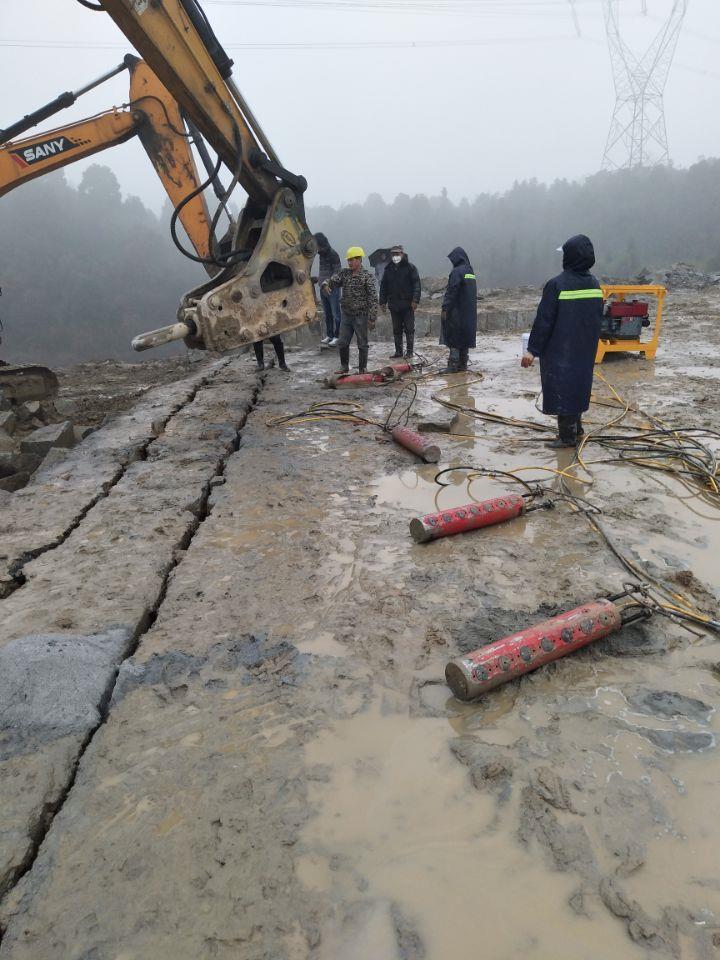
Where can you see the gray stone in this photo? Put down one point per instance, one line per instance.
(54, 456)
(53, 435)
(8, 464)
(6, 442)
(30, 410)
(8, 421)
(82, 431)
(15, 481)
(53, 685)
(14, 462)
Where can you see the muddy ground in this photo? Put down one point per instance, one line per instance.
(226, 734)
(90, 392)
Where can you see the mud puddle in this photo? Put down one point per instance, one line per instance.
(399, 827)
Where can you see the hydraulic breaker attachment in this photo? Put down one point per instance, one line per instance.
(266, 291)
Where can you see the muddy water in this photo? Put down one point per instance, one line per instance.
(399, 824)
(418, 862)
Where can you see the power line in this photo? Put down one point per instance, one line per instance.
(300, 45)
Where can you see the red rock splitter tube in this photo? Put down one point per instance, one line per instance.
(416, 443)
(475, 673)
(471, 516)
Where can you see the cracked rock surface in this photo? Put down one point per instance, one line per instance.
(262, 761)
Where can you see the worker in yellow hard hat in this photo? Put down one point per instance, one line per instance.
(359, 307)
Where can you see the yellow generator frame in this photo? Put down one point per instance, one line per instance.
(619, 291)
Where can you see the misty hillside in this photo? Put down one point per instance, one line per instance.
(83, 270)
(637, 218)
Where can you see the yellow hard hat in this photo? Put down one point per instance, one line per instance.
(354, 252)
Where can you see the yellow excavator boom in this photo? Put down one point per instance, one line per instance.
(154, 117)
(265, 286)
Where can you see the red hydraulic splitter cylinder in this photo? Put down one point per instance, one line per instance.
(469, 517)
(475, 673)
(389, 374)
(416, 443)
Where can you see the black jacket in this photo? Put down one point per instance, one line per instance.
(460, 304)
(329, 259)
(566, 331)
(400, 285)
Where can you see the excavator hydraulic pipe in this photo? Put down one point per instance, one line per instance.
(61, 102)
(469, 517)
(416, 443)
(156, 338)
(476, 673)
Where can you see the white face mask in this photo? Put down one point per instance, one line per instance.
(396, 259)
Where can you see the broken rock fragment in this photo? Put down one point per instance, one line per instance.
(44, 438)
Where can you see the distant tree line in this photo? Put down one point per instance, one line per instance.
(639, 218)
(83, 270)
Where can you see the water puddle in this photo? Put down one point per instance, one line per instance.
(402, 843)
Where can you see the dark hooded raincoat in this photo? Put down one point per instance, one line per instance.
(566, 331)
(460, 304)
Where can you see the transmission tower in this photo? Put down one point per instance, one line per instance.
(638, 136)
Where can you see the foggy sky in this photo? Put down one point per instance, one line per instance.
(468, 118)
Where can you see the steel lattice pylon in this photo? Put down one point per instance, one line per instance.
(638, 136)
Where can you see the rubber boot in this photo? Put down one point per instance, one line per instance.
(453, 364)
(344, 359)
(464, 356)
(567, 433)
(280, 353)
(409, 353)
(259, 356)
(398, 347)
(362, 360)
(580, 428)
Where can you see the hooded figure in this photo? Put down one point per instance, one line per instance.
(329, 264)
(458, 319)
(565, 336)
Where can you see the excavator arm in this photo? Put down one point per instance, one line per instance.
(151, 115)
(264, 287)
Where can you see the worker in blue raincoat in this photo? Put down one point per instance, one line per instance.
(458, 318)
(565, 337)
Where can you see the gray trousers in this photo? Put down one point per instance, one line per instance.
(350, 325)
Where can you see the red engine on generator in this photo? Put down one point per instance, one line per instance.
(628, 308)
(624, 319)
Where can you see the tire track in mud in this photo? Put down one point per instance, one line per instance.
(118, 644)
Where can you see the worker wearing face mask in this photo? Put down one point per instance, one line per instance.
(400, 290)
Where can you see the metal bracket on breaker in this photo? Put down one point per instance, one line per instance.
(266, 292)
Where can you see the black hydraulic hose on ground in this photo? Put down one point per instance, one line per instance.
(97, 7)
(533, 491)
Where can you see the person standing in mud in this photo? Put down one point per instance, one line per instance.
(359, 307)
(329, 263)
(400, 290)
(458, 317)
(565, 337)
(279, 347)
